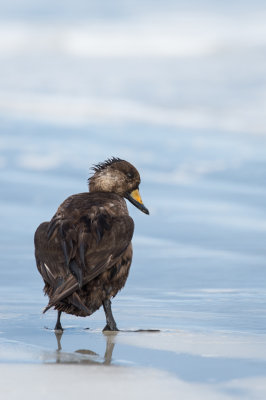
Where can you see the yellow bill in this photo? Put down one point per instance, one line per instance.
(135, 198)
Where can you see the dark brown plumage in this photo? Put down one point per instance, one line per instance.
(84, 253)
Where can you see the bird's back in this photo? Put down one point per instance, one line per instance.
(84, 248)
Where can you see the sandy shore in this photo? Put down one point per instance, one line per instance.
(188, 366)
(70, 381)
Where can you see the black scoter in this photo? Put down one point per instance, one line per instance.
(84, 253)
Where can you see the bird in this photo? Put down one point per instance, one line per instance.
(84, 253)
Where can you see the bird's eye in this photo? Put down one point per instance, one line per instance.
(130, 175)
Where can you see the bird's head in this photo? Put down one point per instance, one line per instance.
(120, 177)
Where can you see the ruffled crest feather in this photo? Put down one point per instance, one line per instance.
(99, 167)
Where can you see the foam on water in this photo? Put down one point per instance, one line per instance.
(93, 70)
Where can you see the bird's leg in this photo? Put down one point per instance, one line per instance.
(110, 322)
(58, 326)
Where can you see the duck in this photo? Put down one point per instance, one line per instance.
(84, 253)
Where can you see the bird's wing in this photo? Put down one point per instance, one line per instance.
(77, 248)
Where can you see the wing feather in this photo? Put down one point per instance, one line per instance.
(80, 243)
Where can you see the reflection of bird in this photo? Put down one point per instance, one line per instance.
(84, 253)
(85, 356)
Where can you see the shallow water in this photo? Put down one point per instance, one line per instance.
(186, 105)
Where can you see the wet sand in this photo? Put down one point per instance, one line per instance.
(70, 381)
(200, 362)
(135, 365)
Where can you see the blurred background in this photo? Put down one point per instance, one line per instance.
(179, 90)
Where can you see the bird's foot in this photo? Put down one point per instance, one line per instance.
(110, 328)
(58, 327)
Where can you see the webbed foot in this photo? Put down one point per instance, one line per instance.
(109, 328)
